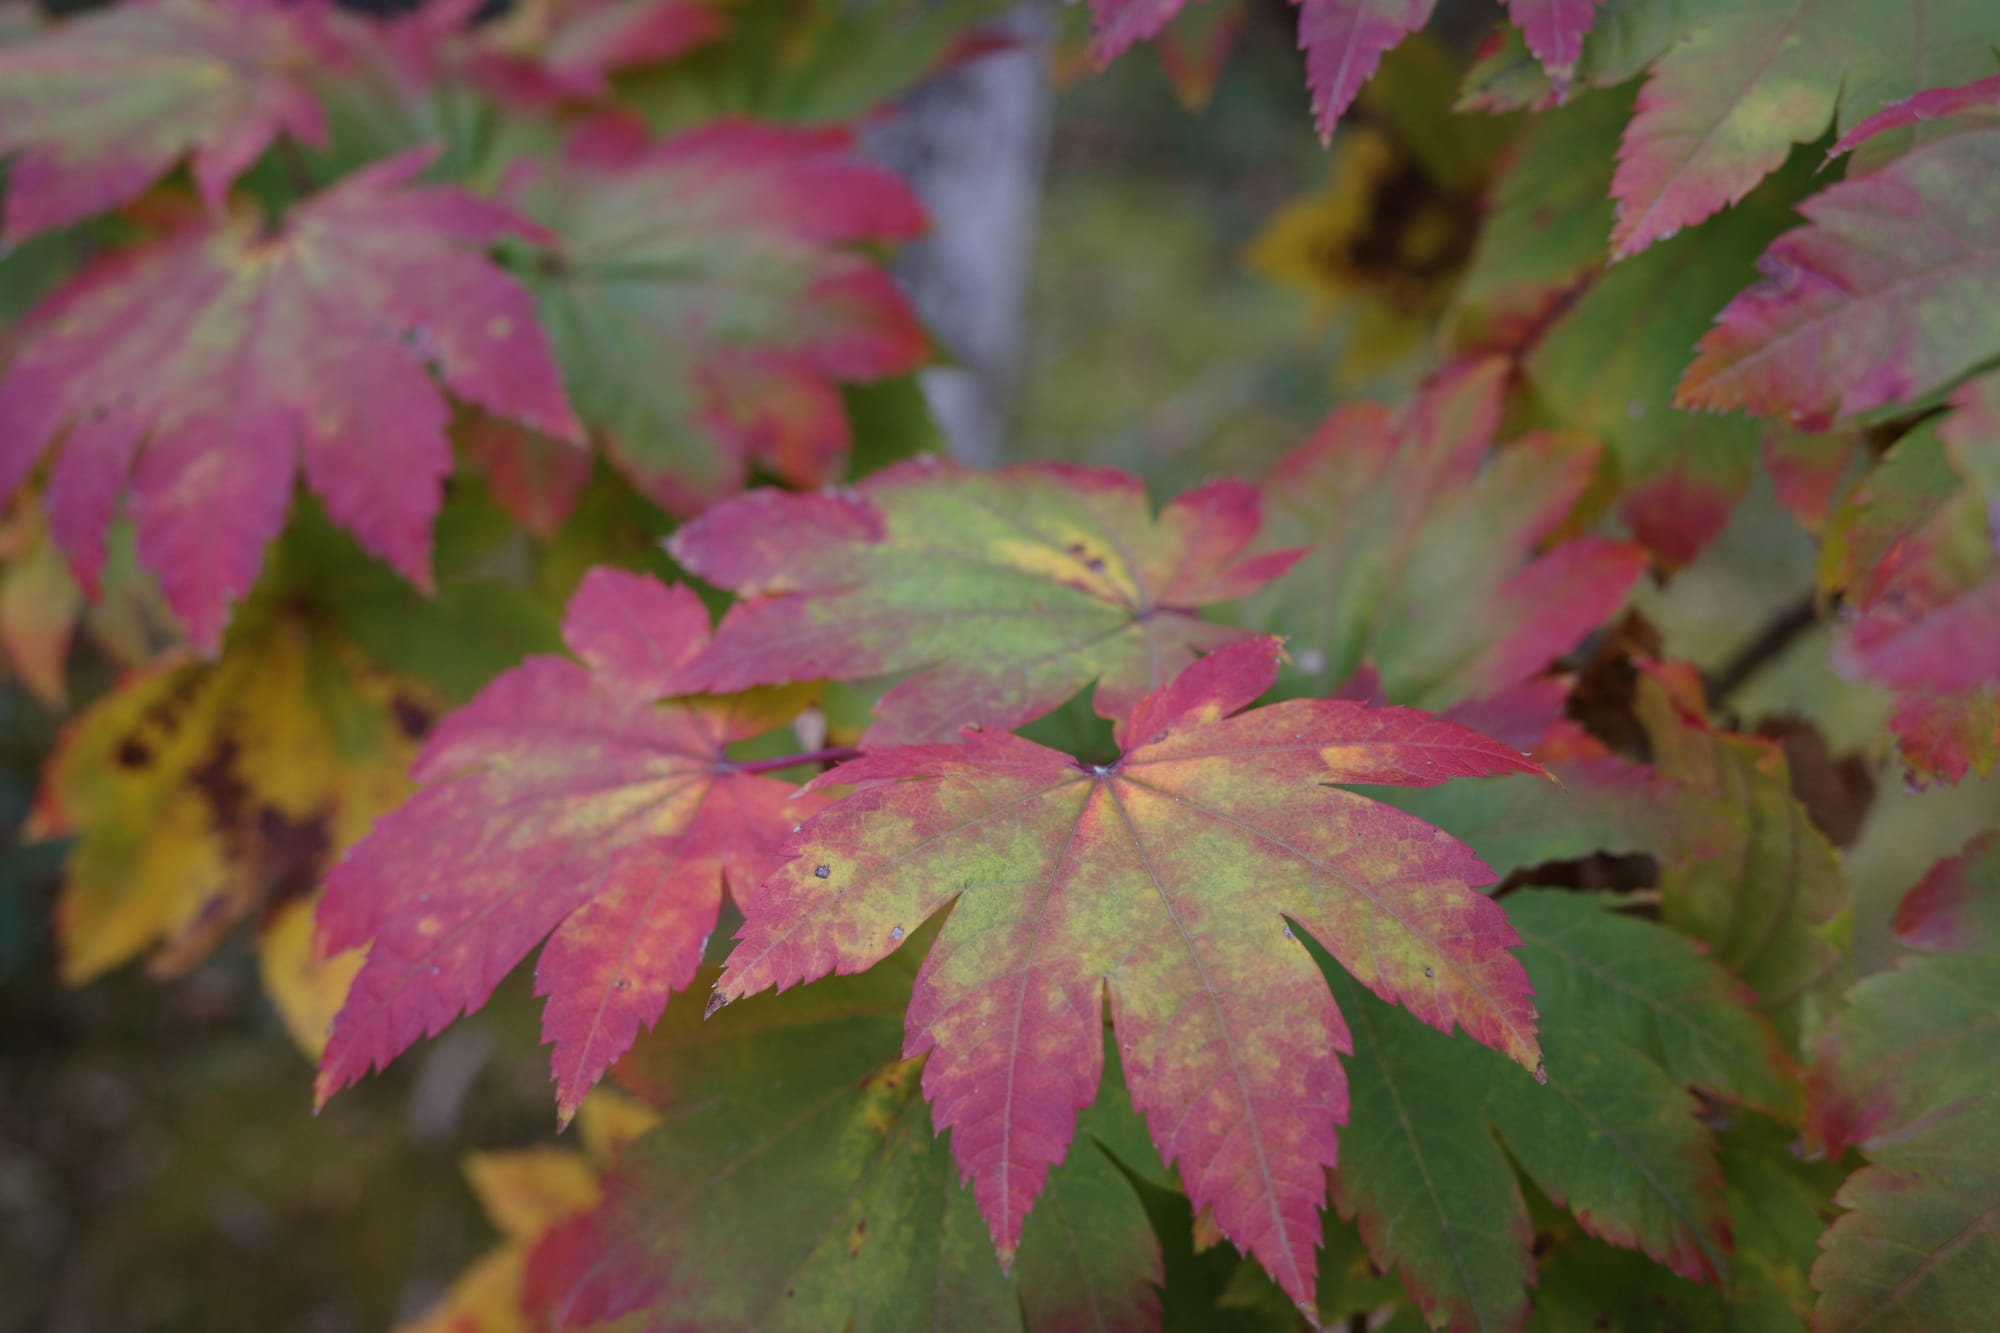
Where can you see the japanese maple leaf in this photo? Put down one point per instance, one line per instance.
(1006, 592)
(560, 802)
(1725, 103)
(571, 47)
(1169, 882)
(209, 365)
(798, 1183)
(1424, 557)
(1915, 550)
(100, 107)
(1344, 40)
(706, 301)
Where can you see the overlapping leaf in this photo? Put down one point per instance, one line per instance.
(1605, 349)
(1745, 81)
(1344, 40)
(1632, 1018)
(1427, 559)
(799, 1184)
(569, 48)
(706, 300)
(561, 803)
(1913, 550)
(1165, 882)
(207, 367)
(96, 109)
(526, 1193)
(202, 792)
(1910, 1073)
(1877, 301)
(1005, 592)
(1753, 878)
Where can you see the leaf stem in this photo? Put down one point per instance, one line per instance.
(1770, 642)
(832, 755)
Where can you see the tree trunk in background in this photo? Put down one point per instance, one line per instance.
(973, 142)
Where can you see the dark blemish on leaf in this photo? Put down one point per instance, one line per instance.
(1429, 973)
(131, 754)
(621, 984)
(1096, 565)
(412, 718)
(823, 872)
(1541, 1073)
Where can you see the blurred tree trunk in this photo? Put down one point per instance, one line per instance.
(973, 141)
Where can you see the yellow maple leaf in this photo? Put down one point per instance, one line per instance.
(200, 792)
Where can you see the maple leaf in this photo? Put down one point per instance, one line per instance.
(96, 109)
(1426, 558)
(1632, 1017)
(212, 363)
(199, 792)
(1168, 880)
(1913, 551)
(552, 49)
(1753, 877)
(1907, 1073)
(526, 1193)
(305, 989)
(1877, 301)
(1345, 40)
(1006, 592)
(561, 802)
(1724, 105)
(705, 298)
(799, 1184)
(40, 604)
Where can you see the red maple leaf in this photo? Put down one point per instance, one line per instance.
(562, 802)
(209, 365)
(104, 105)
(1167, 883)
(1004, 592)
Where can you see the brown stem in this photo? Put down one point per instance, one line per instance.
(1770, 642)
(832, 755)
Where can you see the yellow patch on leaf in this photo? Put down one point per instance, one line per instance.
(200, 792)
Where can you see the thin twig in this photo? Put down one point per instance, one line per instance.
(1770, 642)
(833, 755)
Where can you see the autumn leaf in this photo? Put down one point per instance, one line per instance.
(1907, 1073)
(1344, 40)
(1170, 880)
(305, 989)
(526, 1193)
(799, 1184)
(1005, 592)
(96, 109)
(706, 298)
(562, 802)
(201, 792)
(1724, 105)
(1753, 878)
(1430, 556)
(1632, 1017)
(208, 366)
(553, 49)
(1912, 550)
(1606, 347)
(1876, 302)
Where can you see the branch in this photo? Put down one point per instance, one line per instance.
(833, 755)
(1769, 643)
